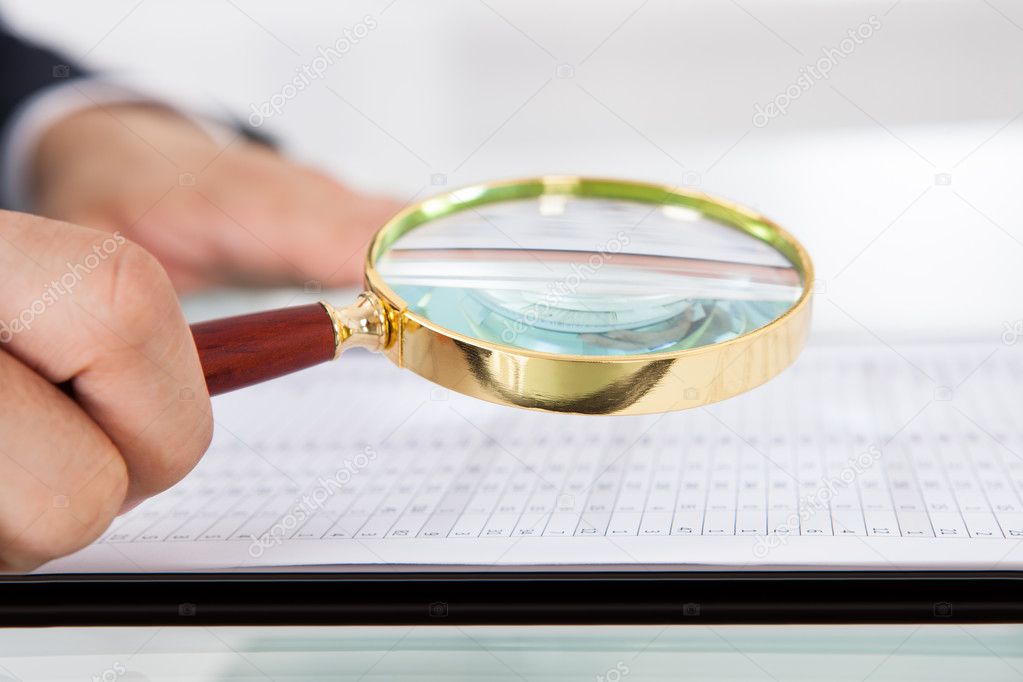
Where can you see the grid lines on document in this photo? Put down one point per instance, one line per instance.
(821, 452)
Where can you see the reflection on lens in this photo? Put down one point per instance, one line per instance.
(587, 276)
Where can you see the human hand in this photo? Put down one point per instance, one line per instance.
(210, 214)
(104, 401)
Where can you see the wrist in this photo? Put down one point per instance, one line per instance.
(49, 109)
(93, 155)
(103, 133)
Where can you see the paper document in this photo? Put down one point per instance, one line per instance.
(854, 457)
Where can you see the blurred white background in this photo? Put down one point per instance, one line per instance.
(899, 170)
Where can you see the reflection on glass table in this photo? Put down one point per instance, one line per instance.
(903, 652)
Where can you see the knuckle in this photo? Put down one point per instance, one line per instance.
(59, 524)
(136, 291)
(171, 460)
(24, 553)
(96, 503)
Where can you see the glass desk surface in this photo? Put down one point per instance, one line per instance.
(611, 654)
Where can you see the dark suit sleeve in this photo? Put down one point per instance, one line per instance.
(27, 69)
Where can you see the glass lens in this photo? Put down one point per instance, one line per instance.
(589, 276)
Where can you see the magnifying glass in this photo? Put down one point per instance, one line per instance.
(562, 294)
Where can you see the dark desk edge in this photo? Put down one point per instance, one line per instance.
(511, 598)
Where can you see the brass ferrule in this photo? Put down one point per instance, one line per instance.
(363, 324)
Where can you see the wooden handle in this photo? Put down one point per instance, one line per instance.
(245, 350)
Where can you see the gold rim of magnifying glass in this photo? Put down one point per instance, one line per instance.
(586, 384)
